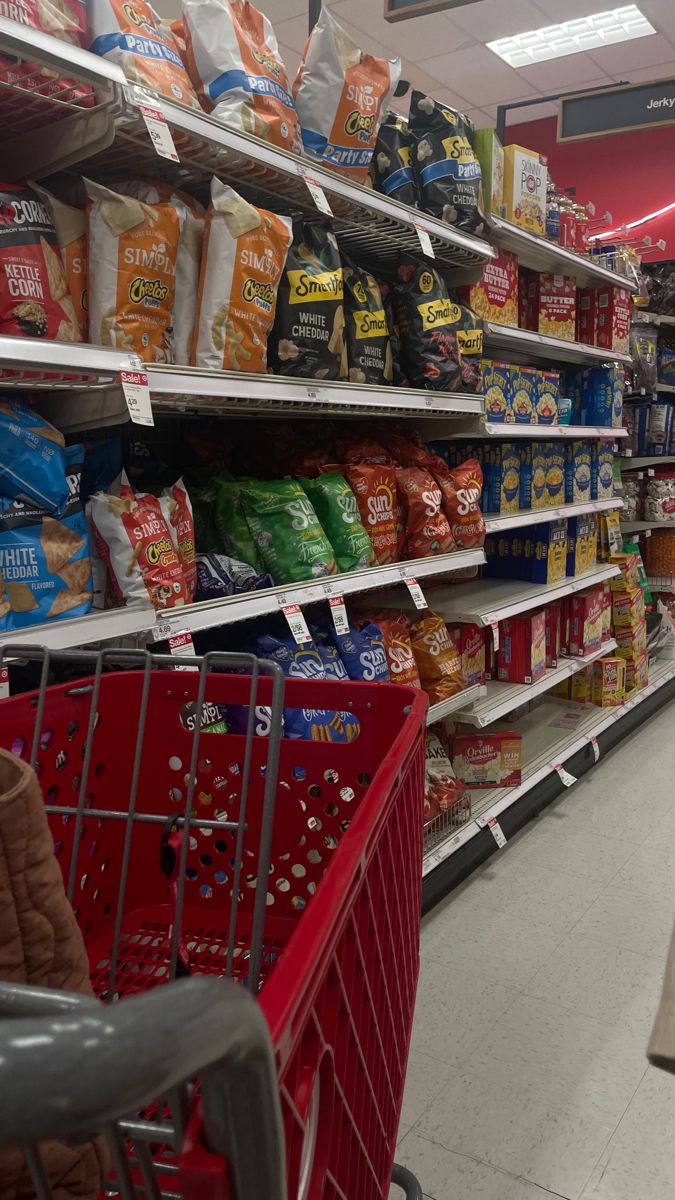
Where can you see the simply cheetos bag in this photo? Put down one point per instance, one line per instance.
(341, 95)
(132, 36)
(375, 491)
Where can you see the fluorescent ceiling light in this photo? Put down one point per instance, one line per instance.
(572, 37)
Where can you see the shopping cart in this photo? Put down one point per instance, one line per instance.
(165, 828)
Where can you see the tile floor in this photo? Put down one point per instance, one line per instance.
(540, 978)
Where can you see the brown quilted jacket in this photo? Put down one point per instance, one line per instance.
(40, 944)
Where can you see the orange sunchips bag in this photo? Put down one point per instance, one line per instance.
(243, 257)
(438, 659)
(426, 525)
(375, 491)
(462, 488)
(132, 273)
(398, 647)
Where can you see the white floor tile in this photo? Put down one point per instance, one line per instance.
(651, 870)
(494, 945)
(450, 1176)
(625, 917)
(426, 1076)
(639, 1160)
(558, 842)
(455, 1010)
(537, 893)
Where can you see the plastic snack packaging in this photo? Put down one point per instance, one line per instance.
(32, 457)
(308, 339)
(45, 565)
(340, 95)
(177, 510)
(132, 272)
(426, 319)
(367, 333)
(439, 662)
(286, 530)
(70, 224)
(304, 662)
(375, 491)
(427, 529)
(65, 20)
(228, 527)
(448, 172)
(444, 793)
(234, 63)
(391, 169)
(34, 297)
(134, 37)
(333, 665)
(462, 487)
(218, 575)
(362, 653)
(243, 257)
(398, 647)
(336, 507)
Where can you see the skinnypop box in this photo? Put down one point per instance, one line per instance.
(525, 180)
(488, 760)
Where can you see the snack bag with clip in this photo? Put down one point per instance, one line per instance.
(340, 95)
(286, 530)
(133, 248)
(243, 258)
(177, 510)
(32, 457)
(34, 297)
(391, 170)
(367, 332)
(308, 339)
(234, 63)
(462, 488)
(335, 505)
(439, 662)
(448, 172)
(375, 491)
(426, 319)
(133, 36)
(70, 224)
(304, 662)
(426, 525)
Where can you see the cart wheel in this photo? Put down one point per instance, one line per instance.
(406, 1181)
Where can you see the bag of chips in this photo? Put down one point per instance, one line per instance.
(462, 488)
(45, 566)
(308, 338)
(34, 297)
(243, 257)
(439, 661)
(132, 272)
(32, 457)
(333, 665)
(286, 530)
(70, 224)
(335, 505)
(367, 334)
(362, 653)
(426, 321)
(357, 448)
(399, 376)
(229, 527)
(218, 576)
(391, 170)
(427, 528)
(177, 510)
(234, 63)
(340, 95)
(304, 662)
(444, 793)
(448, 172)
(375, 491)
(134, 37)
(65, 20)
(398, 647)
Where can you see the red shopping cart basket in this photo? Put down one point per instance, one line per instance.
(162, 822)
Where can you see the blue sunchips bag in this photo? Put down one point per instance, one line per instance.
(333, 665)
(32, 457)
(304, 662)
(45, 568)
(363, 654)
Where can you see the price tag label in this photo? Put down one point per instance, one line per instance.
(312, 393)
(627, 453)
(182, 646)
(160, 134)
(4, 683)
(425, 240)
(317, 193)
(651, 471)
(596, 748)
(647, 532)
(339, 614)
(137, 396)
(494, 625)
(296, 623)
(416, 593)
(161, 631)
(497, 832)
(566, 778)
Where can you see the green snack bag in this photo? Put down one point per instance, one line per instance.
(232, 533)
(286, 530)
(335, 505)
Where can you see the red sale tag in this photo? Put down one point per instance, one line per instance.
(296, 623)
(182, 646)
(4, 682)
(137, 395)
(497, 832)
(339, 614)
(416, 593)
(160, 134)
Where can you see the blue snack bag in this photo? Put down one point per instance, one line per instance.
(328, 653)
(363, 654)
(304, 662)
(219, 575)
(32, 457)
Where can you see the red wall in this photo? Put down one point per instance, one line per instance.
(628, 174)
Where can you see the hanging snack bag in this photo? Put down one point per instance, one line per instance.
(132, 273)
(286, 531)
(448, 172)
(375, 491)
(308, 338)
(367, 333)
(340, 95)
(438, 659)
(70, 224)
(398, 647)
(177, 509)
(362, 653)
(229, 526)
(218, 576)
(304, 662)
(333, 665)
(34, 297)
(462, 488)
(243, 257)
(391, 170)
(234, 63)
(335, 505)
(134, 38)
(426, 320)
(426, 525)
(32, 457)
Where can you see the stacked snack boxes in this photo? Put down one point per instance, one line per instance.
(519, 395)
(577, 472)
(495, 296)
(548, 304)
(490, 154)
(521, 657)
(552, 615)
(496, 378)
(582, 544)
(613, 319)
(470, 642)
(602, 472)
(549, 553)
(587, 316)
(488, 760)
(630, 622)
(609, 682)
(586, 622)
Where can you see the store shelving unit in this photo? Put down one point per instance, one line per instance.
(645, 526)
(463, 430)
(662, 583)
(454, 704)
(521, 345)
(650, 318)
(649, 463)
(540, 254)
(538, 516)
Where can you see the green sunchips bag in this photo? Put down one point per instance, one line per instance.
(336, 507)
(287, 531)
(233, 535)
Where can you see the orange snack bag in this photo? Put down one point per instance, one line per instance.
(133, 36)
(462, 488)
(438, 659)
(398, 647)
(375, 491)
(427, 528)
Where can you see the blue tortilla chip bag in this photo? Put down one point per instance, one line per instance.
(363, 654)
(328, 653)
(32, 457)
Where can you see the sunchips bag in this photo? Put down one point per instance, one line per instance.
(366, 330)
(304, 662)
(286, 530)
(340, 95)
(391, 170)
(439, 662)
(229, 525)
(133, 36)
(243, 257)
(45, 565)
(462, 488)
(427, 529)
(177, 510)
(335, 506)
(333, 665)
(362, 653)
(308, 338)
(133, 248)
(70, 224)
(448, 172)
(234, 63)
(375, 491)
(398, 647)
(34, 297)
(32, 457)
(426, 318)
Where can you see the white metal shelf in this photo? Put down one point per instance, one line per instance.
(540, 254)
(113, 624)
(650, 318)
(507, 431)
(661, 583)
(522, 345)
(645, 526)
(463, 699)
(502, 698)
(36, 363)
(635, 464)
(538, 516)
(544, 745)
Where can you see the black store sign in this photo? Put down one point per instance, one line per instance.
(616, 110)
(401, 10)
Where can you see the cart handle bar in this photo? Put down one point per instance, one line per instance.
(69, 1064)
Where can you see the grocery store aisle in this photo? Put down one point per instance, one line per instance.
(540, 979)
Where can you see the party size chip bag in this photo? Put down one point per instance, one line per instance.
(65, 20)
(427, 529)
(32, 457)
(362, 653)
(177, 509)
(34, 297)
(375, 491)
(448, 172)
(366, 330)
(439, 661)
(391, 170)
(287, 531)
(335, 506)
(308, 338)
(243, 257)
(133, 36)
(426, 319)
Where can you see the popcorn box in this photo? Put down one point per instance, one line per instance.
(602, 472)
(561, 690)
(582, 544)
(629, 565)
(577, 472)
(614, 319)
(555, 473)
(490, 154)
(609, 682)
(490, 654)
(523, 394)
(552, 619)
(607, 613)
(495, 296)
(637, 672)
(628, 607)
(539, 469)
(488, 760)
(587, 316)
(581, 685)
(521, 657)
(586, 622)
(547, 394)
(610, 540)
(550, 552)
(497, 390)
(551, 305)
(470, 641)
(525, 452)
(631, 642)
(525, 180)
(501, 475)
(565, 614)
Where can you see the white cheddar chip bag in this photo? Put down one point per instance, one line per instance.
(234, 63)
(133, 36)
(132, 267)
(341, 95)
(244, 254)
(70, 224)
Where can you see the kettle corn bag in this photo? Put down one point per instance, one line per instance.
(133, 36)
(375, 491)
(243, 257)
(391, 170)
(70, 224)
(308, 338)
(340, 95)
(234, 63)
(448, 172)
(366, 329)
(34, 296)
(335, 506)
(133, 248)
(438, 659)
(286, 530)
(427, 528)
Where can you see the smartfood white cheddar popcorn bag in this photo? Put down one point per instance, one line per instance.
(341, 95)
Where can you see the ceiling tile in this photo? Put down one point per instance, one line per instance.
(416, 39)
(569, 10)
(664, 71)
(642, 52)
(518, 116)
(421, 81)
(491, 19)
(280, 10)
(560, 74)
(480, 119)
(661, 13)
(479, 75)
(294, 33)
(452, 99)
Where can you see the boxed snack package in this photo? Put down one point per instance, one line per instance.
(523, 394)
(497, 390)
(391, 169)
(577, 472)
(555, 473)
(490, 651)
(488, 760)
(308, 335)
(637, 672)
(495, 296)
(341, 95)
(448, 172)
(629, 565)
(471, 642)
(602, 471)
(502, 478)
(586, 611)
(581, 685)
(549, 552)
(614, 319)
(551, 305)
(631, 640)
(582, 548)
(607, 613)
(137, 40)
(565, 603)
(609, 682)
(587, 316)
(561, 691)
(539, 470)
(521, 657)
(438, 659)
(609, 535)
(525, 491)
(552, 617)
(525, 180)
(35, 300)
(628, 607)
(547, 396)
(490, 154)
